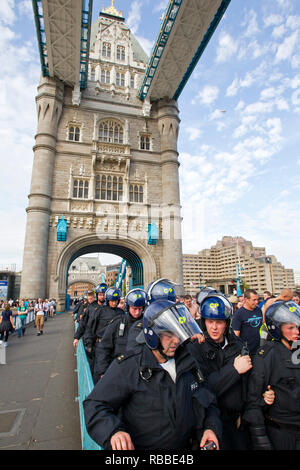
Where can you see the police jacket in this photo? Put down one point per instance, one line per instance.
(275, 365)
(88, 310)
(223, 379)
(113, 342)
(138, 396)
(97, 324)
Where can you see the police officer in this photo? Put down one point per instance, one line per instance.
(114, 339)
(161, 289)
(224, 365)
(154, 398)
(102, 317)
(83, 313)
(276, 365)
(100, 293)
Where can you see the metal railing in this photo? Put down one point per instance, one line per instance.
(85, 386)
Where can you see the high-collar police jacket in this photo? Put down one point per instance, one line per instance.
(274, 364)
(98, 322)
(113, 342)
(138, 396)
(224, 380)
(86, 310)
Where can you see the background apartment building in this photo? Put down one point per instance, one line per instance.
(217, 267)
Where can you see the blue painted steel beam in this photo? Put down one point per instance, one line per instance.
(40, 30)
(165, 30)
(202, 47)
(87, 8)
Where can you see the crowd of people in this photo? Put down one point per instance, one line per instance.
(183, 372)
(16, 314)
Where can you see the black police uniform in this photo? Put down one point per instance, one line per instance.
(275, 365)
(216, 363)
(136, 395)
(83, 331)
(113, 343)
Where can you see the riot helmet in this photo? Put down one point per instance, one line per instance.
(101, 288)
(136, 298)
(163, 316)
(112, 294)
(281, 312)
(204, 293)
(216, 307)
(161, 289)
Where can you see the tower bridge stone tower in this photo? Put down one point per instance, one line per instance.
(107, 163)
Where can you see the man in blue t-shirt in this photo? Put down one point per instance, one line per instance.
(247, 321)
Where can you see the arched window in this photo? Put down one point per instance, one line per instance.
(120, 79)
(109, 188)
(81, 189)
(145, 142)
(112, 132)
(74, 133)
(105, 76)
(136, 193)
(106, 49)
(131, 81)
(121, 53)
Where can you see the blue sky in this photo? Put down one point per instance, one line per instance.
(239, 138)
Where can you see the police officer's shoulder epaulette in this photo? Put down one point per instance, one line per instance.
(265, 349)
(114, 319)
(125, 356)
(139, 324)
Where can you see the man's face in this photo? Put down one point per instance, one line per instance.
(290, 331)
(188, 303)
(296, 299)
(135, 312)
(170, 343)
(101, 297)
(113, 303)
(266, 296)
(216, 329)
(251, 303)
(90, 299)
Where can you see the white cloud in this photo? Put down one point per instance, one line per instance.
(208, 95)
(227, 47)
(285, 50)
(7, 14)
(194, 133)
(273, 20)
(252, 28)
(134, 16)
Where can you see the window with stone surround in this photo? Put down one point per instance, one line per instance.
(120, 79)
(105, 76)
(74, 133)
(92, 74)
(80, 189)
(145, 142)
(109, 188)
(110, 131)
(132, 81)
(121, 53)
(136, 193)
(106, 49)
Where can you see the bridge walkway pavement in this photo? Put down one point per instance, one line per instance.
(38, 389)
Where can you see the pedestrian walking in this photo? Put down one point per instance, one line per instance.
(6, 324)
(39, 317)
(21, 319)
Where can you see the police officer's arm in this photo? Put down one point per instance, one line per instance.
(102, 405)
(105, 349)
(254, 413)
(81, 327)
(207, 413)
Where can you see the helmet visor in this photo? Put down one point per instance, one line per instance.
(287, 312)
(204, 293)
(176, 320)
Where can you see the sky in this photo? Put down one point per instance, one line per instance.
(239, 142)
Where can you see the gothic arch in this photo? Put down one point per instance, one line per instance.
(138, 256)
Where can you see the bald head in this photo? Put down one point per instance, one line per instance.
(286, 294)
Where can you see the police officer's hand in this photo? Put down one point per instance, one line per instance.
(75, 343)
(242, 364)
(121, 441)
(269, 396)
(199, 337)
(209, 435)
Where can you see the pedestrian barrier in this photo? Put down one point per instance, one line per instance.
(2, 353)
(85, 386)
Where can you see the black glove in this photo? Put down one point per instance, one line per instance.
(88, 349)
(259, 437)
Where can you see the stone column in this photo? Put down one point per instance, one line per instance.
(34, 272)
(168, 124)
